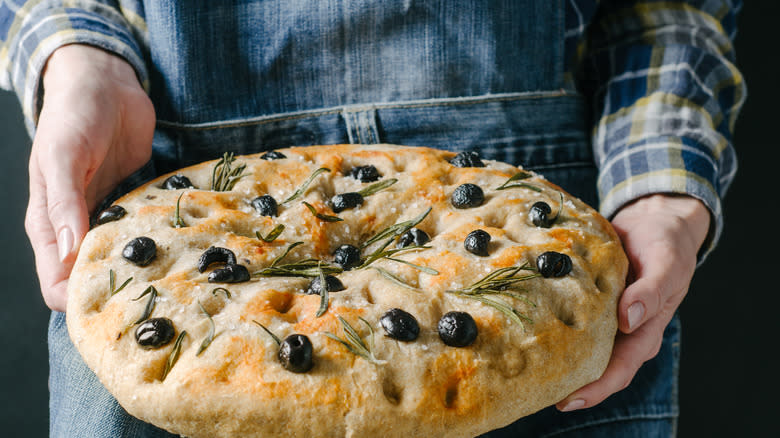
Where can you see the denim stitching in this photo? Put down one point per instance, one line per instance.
(349, 109)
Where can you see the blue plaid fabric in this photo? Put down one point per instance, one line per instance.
(660, 76)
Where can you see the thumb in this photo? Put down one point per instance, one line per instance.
(65, 173)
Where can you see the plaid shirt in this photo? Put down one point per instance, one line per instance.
(660, 76)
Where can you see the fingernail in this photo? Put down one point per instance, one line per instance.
(636, 312)
(64, 243)
(574, 404)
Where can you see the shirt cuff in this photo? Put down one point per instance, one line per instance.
(664, 165)
(49, 26)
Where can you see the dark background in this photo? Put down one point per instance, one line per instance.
(729, 383)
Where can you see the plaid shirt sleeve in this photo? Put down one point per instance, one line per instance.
(666, 95)
(31, 30)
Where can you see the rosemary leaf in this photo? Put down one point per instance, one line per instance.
(560, 208)
(395, 279)
(354, 343)
(178, 222)
(174, 356)
(395, 230)
(224, 177)
(152, 292)
(427, 270)
(377, 186)
(284, 254)
(122, 286)
(272, 235)
(518, 177)
(323, 293)
(273, 336)
(320, 216)
(302, 189)
(112, 283)
(221, 289)
(210, 335)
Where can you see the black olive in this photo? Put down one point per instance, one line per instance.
(154, 333)
(230, 274)
(457, 329)
(140, 251)
(477, 242)
(553, 264)
(333, 284)
(295, 353)
(272, 155)
(265, 205)
(467, 159)
(467, 196)
(540, 214)
(400, 325)
(113, 213)
(347, 256)
(176, 182)
(414, 236)
(216, 254)
(365, 173)
(344, 201)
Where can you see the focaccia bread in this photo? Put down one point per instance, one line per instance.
(460, 295)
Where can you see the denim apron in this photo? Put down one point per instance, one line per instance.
(459, 75)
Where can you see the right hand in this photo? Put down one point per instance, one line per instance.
(95, 129)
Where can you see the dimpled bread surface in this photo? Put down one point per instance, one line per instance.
(237, 386)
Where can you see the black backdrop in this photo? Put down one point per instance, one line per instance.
(728, 378)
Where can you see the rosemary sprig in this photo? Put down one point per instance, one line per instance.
(395, 279)
(395, 230)
(323, 293)
(272, 235)
(518, 177)
(270, 333)
(502, 281)
(221, 289)
(307, 268)
(355, 344)
(302, 189)
(321, 216)
(499, 280)
(178, 222)
(210, 335)
(174, 356)
(377, 186)
(224, 177)
(152, 292)
(112, 282)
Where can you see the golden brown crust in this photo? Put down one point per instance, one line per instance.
(236, 387)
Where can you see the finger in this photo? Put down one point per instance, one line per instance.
(629, 353)
(52, 274)
(663, 274)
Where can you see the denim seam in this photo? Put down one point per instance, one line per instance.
(351, 109)
(670, 415)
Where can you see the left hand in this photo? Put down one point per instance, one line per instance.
(661, 235)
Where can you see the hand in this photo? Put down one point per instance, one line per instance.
(95, 129)
(662, 235)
